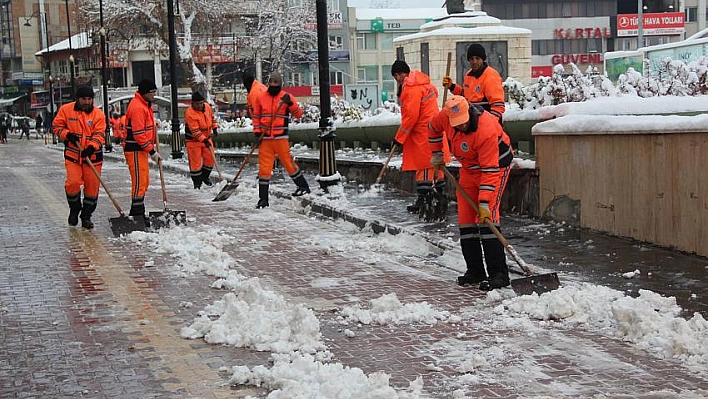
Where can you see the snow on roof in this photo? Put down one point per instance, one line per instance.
(468, 18)
(400, 13)
(78, 41)
(457, 31)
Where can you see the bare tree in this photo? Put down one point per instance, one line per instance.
(145, 24)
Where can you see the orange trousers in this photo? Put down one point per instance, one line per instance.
(199, 155)
(425, 177)
(469, 181)
(139, 168)
(80, 174)
(268, 150)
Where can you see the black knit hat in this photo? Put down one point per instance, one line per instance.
(84, 91)
(146, 86)
(476, 50)
(400, 66)
(197, 96)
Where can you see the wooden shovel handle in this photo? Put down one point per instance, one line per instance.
(447, 73)
(159, 166)
(488, 222)
(385, 165)
(213, 154)
(98, 176)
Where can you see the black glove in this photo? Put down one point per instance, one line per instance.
(396, 143)
(207, 143)
(258, 138)
(214, 132)
(287, 100)
(87, 152)
(73, 138)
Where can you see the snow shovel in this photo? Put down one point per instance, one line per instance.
(166, 217)
(538, 283)
(385, 165)
(122, 224)
(231, 186)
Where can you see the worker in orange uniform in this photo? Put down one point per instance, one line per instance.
(116, 126)
(271, 117)
(139, 144)
(200, 125)
(482, 84)
(483, 149)
(419, 104)
(81, 125)
(254, 89)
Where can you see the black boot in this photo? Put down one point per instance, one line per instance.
(302, 186)
(137, 210)
(262, 193)
(197, 180)
(206, 171)
(496, 261)
(74, 208)
(472, 252)
(86, 212)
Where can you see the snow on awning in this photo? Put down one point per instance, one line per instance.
(78, 41)
(4, 102)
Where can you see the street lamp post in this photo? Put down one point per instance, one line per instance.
(71, 50)
(328, 166)
(104, 78)
(640, 24)
(176, 146)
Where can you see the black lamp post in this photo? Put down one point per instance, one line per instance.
(71, 51)
(328, 164)
(176, 146)
(104, 78)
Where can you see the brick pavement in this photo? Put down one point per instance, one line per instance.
(85, 315)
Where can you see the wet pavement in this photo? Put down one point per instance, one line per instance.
(85, 315)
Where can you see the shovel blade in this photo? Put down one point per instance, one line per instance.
(226, 192)
(167, 218)
(538, 283)
(125, 225)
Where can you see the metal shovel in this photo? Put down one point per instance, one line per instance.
(231, 186)
(538, 283)
(166, 217)
(123, 224)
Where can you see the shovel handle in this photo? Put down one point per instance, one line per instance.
(162, 177)
(213, 154)
(447, 73)
(385, 165)
(98, 176)
(488, 222)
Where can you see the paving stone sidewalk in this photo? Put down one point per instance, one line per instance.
(83, 315)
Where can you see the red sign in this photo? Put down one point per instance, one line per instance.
(214, 53)
(582, 33)
(584, 58)
(538, 71)
(653, 24)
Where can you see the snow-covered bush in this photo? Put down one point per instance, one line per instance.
(670, 78)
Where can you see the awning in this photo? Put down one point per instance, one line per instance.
(4, 102)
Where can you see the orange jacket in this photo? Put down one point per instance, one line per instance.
(485, 87)
(256, 91)
(271, 116)
(116, 128)
(198, 125)
(141, 132)
(419, 104)
(485, 150)
(90, 126)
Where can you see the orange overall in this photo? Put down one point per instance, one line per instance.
(140, 140)
(198, 126)
(90, 127)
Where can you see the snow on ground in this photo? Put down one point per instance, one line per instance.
(301, 366)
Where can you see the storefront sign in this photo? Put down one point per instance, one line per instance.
(538, 71)
(582, 33)
(653, 24)
(585, 58)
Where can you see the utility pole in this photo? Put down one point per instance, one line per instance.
(328, 164)
(640, 24)
(104, 78)
(176, 146)
(71, 50)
